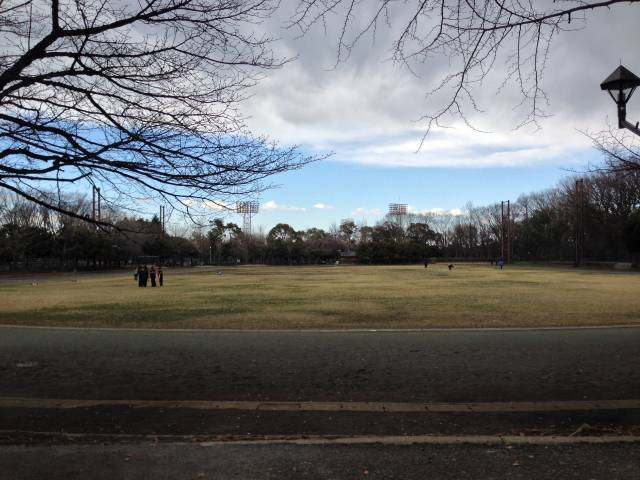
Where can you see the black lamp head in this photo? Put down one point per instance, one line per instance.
(623, 81)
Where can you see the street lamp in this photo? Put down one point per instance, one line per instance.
(621, 84)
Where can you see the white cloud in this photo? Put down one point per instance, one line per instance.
(365, 109)
(456, 212)
(360, 211)
(216, 205)
(436, 211)
(323, 206)
(271, 205)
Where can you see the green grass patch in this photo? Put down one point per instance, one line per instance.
(328, 297)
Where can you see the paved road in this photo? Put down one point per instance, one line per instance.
(287, 462)
(405, 367)
(472, 366)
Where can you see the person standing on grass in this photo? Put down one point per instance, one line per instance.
(160, 276)
(426, 262)
(501, 263)
(138, 275)
(152, 274)
(145, 276)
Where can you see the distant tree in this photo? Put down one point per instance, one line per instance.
(348, 231)
(233, 230)
(387, 243)
(24, 243)
(140, 98)
(365, 244)
(182, 249)
(421, 241)
(201, 242)
(216, 235)
(282, 240)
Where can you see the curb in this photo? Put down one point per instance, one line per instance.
(219, 440)
(345, 330)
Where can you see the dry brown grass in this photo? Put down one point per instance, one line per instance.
(330, 297)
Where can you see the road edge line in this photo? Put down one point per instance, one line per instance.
(218, 440)
(325, 330)
(327, 406)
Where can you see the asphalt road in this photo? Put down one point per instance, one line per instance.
(286, 462)
(438, 366)
(451, 366)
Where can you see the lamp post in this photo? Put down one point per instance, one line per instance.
(621, 84)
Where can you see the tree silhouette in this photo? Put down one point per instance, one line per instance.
(140, 98)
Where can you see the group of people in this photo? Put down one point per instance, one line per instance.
(426, 264)
(144, 274)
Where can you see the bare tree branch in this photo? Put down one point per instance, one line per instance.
(473, 35)
(140, 98)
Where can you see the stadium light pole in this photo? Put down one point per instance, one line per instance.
(247, 210)
(398, 211)
(621, 84)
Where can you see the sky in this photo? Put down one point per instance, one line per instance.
(365, 113)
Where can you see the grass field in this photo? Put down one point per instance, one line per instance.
(328, 297)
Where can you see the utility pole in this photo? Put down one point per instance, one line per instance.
(162, 224)
(579, 228)
(95, 207)
(502, 230)
(505, 231)
(509, 246)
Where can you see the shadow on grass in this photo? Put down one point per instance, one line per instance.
(117, 315)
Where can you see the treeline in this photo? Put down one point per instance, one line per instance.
(33, 237)
(544, 226)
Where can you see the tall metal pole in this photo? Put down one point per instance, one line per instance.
(579, 228)
(509, 231)
(502, 230)
(95, 204)
(99, 204)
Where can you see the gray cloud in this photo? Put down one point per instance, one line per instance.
(366, 109)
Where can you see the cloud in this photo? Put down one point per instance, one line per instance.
(367, 110)
(366, 211)
(217, 205)
(271, 205)
(456, 212)
(323, 206)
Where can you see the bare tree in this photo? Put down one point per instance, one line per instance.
(621, 151)
(475, 37)
(139, 97)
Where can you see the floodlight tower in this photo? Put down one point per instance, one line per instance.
(162, 221)
(398, 211)
(247, 210)
(96, 205)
